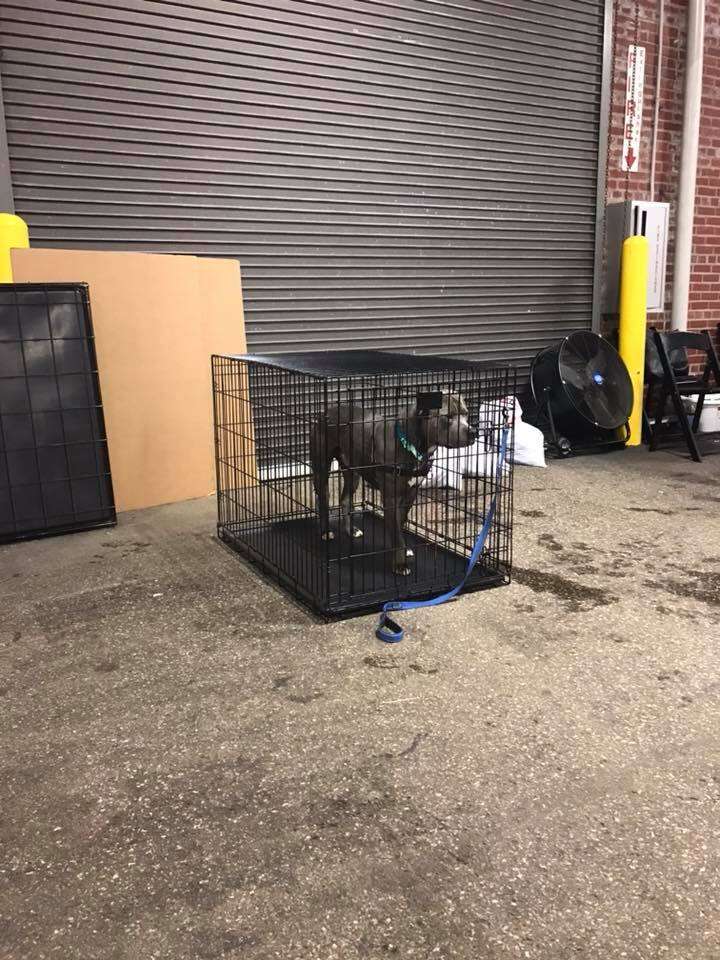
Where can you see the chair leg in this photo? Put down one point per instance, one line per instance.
(646, 428)
(647, 410)
(701, 398)
(698, 413)
(713, 362)
(659, 414)
(685, 427)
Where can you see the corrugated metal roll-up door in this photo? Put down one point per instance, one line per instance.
(404, 174)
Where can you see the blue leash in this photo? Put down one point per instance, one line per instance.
(390, 632)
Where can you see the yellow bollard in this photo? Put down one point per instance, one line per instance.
(13, 234)
(633, 324)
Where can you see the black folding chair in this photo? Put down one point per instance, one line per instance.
(673, 380)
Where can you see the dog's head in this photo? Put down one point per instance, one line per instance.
(448, 426)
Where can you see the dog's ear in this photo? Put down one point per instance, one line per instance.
(428, 403)
(453, 405)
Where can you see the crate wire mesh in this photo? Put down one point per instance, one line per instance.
(54, 467)
(273, 415)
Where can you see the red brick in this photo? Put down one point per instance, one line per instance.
(704, 306)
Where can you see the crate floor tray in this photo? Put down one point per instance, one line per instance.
(291, 551)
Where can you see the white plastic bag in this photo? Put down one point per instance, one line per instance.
(446, 469)
(529, 445)
(526, 443)
(482, 462)
(493, 413)
(526, 446)
(481, 457)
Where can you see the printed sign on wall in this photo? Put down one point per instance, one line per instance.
(633, 109)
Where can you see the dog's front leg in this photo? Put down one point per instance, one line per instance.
(351, 481)
(395, 513)
(407, 504)
(400, 555)
(320, 466)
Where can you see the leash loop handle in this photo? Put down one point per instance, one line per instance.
(388, 631)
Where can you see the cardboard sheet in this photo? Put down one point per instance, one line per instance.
(157, 320)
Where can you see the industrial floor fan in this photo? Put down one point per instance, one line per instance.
(583, 391)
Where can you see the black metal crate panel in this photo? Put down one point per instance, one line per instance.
(354, 364)
(54, 465)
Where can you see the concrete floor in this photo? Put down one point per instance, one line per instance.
(191, 767)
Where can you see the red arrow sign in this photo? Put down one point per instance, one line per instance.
(633, 109)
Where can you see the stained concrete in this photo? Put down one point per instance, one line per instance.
(192, 767)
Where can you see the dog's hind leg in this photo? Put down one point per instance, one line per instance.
(393, 513)
(351, 480)
(320, 465)
(403, 513)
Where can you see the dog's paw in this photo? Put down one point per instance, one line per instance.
(357, 533)
(329, 535)
(409, 553)
(403, 571)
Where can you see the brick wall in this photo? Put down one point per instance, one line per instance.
(705, 278)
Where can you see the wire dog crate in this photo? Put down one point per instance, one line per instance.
(358, 477)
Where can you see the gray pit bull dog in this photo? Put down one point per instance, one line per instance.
(391, 455)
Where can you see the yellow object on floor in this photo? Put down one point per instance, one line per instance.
(13, 235)
(633, 324)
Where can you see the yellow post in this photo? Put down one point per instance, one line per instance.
(13, 234)
(633, 324)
